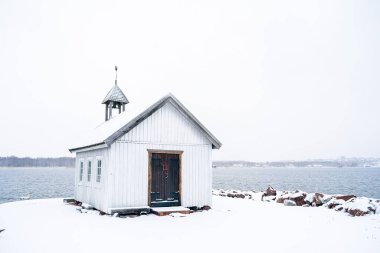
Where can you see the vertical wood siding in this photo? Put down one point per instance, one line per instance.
(92, 192)
(166, 129)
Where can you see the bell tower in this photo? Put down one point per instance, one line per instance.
(115, 99)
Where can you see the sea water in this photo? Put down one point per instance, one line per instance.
(59, 182)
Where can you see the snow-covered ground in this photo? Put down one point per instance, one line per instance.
(233, 225)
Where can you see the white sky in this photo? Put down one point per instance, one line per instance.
(271, 79)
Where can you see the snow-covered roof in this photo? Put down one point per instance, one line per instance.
(106, 133)
(115, 95)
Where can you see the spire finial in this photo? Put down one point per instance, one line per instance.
(116, 75)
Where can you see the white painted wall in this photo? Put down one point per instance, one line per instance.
(166, 129)
(92, 192)
(125, 163)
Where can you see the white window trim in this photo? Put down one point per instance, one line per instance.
(99, 158)
(80, 182)
(89, 159)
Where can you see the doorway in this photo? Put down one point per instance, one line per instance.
(164, 178)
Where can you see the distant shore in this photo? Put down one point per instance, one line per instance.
(14, 161)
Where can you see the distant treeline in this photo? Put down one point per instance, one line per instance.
(340, 162)
(13, 161)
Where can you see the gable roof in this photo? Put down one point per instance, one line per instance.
(115, 95)
(108, 132)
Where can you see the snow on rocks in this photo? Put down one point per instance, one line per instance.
(288, 202)
(350, 204)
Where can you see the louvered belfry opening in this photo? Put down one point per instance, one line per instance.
(115, 99)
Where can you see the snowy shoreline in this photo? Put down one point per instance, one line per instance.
(232, 225)
(351, 204)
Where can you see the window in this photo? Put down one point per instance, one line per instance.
(80, 171)
(99, 171)
(89, 171)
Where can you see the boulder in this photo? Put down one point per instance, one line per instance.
(240, 195)
(334, 203)
(345, 197)
(309, 198)
(359, 207)
(357, 212)
(320, 195)
(280, 200)
(270, 191)
(206, 208)
(317, 200)
(298, 198)
(288, 202)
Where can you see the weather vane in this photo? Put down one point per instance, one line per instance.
(116, 75)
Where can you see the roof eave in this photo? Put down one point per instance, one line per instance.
(216, 144)
(89, 147)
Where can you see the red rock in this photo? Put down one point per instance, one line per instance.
(357, 212)
(332, 205)
(345, 197)
(270, 191)
(280, 200)
(300, 200)
(206, 208)
(319, 195)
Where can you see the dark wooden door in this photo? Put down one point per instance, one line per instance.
(165, 180)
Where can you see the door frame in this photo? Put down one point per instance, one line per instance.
(161, 151)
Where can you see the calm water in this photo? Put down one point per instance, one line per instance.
(358, 181)
(59, 182)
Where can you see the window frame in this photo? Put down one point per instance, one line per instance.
(81, 170)
(99, 177)
(89, 170)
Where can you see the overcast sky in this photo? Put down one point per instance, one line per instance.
(272, 80)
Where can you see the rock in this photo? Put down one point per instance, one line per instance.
(206, 208)
(332, 205)
(317, 200)
(345, 197)
(270, 191)
(231, 195)
(357, 212)
(320, 195)
(280, 200)
(298, 198)
(359, 206)
(326, 199)
(240, 195)
(309, 198)
(288, 202)
(305, 205)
